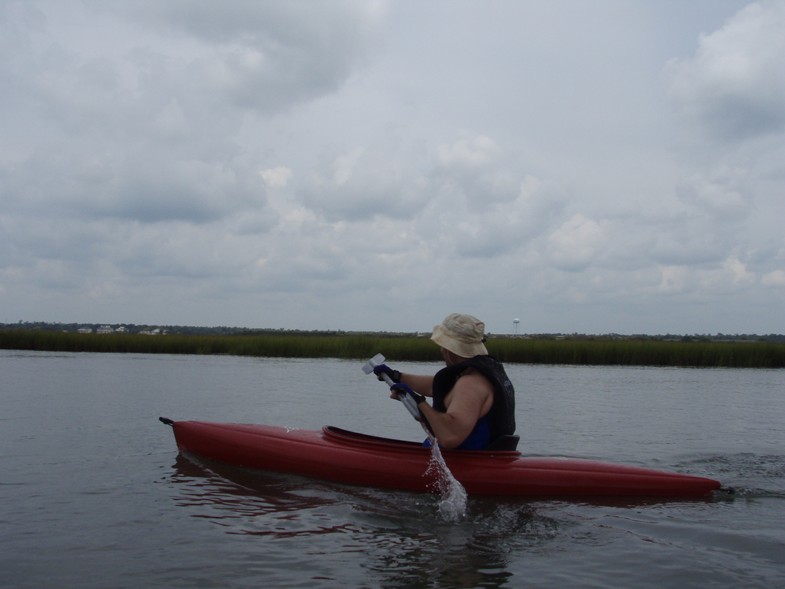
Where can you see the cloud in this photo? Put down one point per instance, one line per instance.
(469, 152)
(147, 130)
(508, 226)
(716, 197)
(734, 85)
(264, 56)
(277, 177)
(576, 243)
(377, 165)
(359, 184)
(775, 278)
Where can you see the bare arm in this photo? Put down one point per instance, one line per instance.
(422, 384)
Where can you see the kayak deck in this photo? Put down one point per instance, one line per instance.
(342, 456)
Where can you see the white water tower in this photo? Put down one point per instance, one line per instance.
(515, 323)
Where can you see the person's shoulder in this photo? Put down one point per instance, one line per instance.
(472, 377)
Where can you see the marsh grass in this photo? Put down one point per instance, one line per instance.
(631, 352)
(585, 351)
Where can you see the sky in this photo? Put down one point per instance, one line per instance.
(614, 166)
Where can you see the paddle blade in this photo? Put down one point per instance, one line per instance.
(373, 363)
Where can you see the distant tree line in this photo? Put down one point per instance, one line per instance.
(131, 328)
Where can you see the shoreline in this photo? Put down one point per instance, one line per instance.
(575, 350)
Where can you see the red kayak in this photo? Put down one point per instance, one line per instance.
(337, 455)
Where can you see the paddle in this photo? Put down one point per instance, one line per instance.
(407, 400)
(453, 501)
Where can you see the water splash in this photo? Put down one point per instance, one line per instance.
(452, 502)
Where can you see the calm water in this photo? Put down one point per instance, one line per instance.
(93, 493)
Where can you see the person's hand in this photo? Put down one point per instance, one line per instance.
(383, 369)
(399, 389)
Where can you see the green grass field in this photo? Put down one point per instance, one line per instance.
(581, 350)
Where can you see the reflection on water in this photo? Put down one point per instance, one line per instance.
(401, 536)
(401, 540)
(234, 497)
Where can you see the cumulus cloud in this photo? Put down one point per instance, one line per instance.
(734, 85)
(672, 279)
(716, 197)
(470, 152)
(146, 130)
(277, 177)
(503, 227)
(265, 56)
(359, 184)
(312, 165)
(775, 278)
(576, 243)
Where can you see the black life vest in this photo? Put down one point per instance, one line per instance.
(501, 416)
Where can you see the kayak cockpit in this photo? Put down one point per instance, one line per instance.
(506, 445)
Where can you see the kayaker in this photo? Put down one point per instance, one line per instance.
(473, 399)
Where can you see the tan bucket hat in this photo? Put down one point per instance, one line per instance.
(461, 334)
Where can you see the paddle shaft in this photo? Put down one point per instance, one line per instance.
(407, 400)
